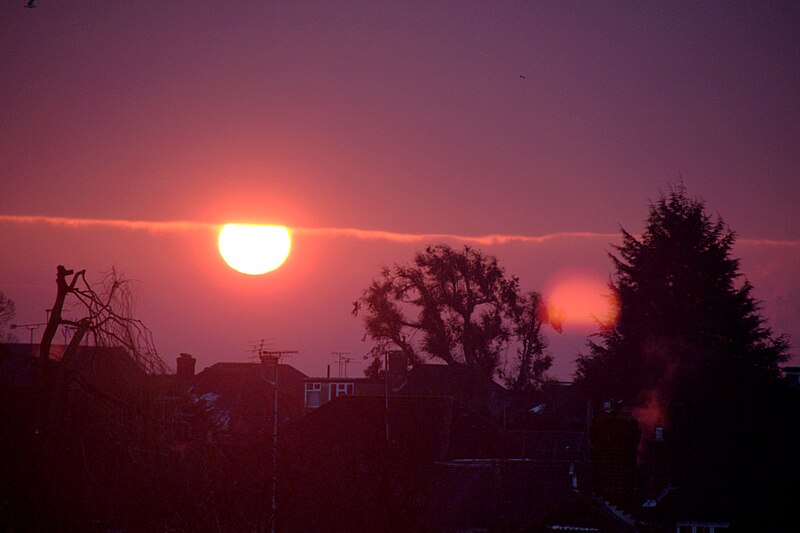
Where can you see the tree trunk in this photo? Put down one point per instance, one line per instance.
(55, 317)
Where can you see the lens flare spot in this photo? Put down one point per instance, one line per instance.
(581, 300)
(254, 249)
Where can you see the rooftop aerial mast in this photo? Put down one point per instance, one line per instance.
(273, 357)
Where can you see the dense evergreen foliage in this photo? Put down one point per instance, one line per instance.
(692, 353)
(678, 283)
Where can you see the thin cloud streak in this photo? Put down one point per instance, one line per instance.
(135, 225)
(769, 242)
(375, 235)
(182, 225)
(493, 239)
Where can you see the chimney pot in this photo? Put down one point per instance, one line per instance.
(269, 359)
(398, 364)
(185, 366)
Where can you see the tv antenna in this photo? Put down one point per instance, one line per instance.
(257, 346)
(66, 330)
(29, 327)
(342, 359)
(274, 355)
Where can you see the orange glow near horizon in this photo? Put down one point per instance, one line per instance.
(254, 249)
(581, 300)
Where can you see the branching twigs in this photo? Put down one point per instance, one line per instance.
(101, 398)
(107, 318)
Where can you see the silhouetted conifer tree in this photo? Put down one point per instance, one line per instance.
(679, 283)
(690, 352)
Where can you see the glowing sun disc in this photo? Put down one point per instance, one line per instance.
(254, 249)
(581, 300)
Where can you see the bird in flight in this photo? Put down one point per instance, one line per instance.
(30, 4)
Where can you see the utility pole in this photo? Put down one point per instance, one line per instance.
(274, 357)
(386, 397)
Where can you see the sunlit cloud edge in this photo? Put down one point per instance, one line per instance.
(151, 226)
(172, 226)
(491, 239)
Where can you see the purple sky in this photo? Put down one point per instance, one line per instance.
(400, 117)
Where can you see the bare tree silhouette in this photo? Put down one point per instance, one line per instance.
(107, 318)
(7, 311)
(98, 437)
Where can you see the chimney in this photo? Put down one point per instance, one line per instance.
(613, 454)
(397, 371)
(185, 366)
(398, 364)
(268, 359)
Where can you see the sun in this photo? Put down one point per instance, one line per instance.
(581, 300)
(254, 249)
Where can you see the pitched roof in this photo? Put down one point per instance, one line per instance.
(356, 422)
(243, 393)
(105, 367)
(441, 380)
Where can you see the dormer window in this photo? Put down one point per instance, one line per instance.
(340, 389)
(313, 394)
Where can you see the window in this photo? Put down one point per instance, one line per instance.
(340, 389)
(313, 394)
